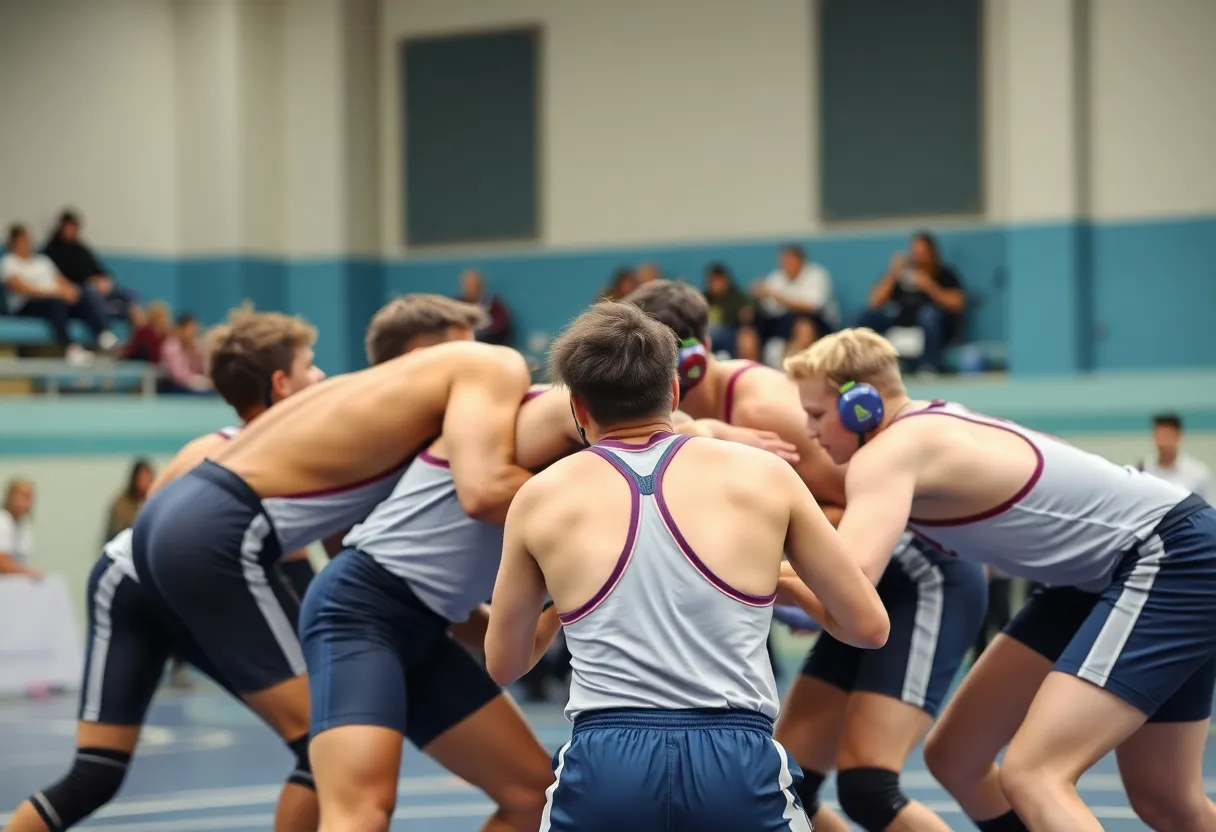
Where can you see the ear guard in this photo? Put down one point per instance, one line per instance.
(860, 408)
(691, 365)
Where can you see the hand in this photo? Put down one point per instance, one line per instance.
(761, 290)
(765, 440)
(899, 262)
(102, 284)
(924, 281)
(69, 293)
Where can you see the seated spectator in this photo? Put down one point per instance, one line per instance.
(127, 504)
(497, 329)
(1171, 463)
(147, 339)
(182, 359)
(918, 290)
(17, 530)
(36, 289)
(77, 263)
(728, 309)
(624, 281)
(796, 305)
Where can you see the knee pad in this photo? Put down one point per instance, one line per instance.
(301, 775)
(871, 797)
(808, 791)
(95, 777)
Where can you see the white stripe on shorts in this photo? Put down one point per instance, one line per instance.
(103, 628)
(927, 624)
(546, 818)
(1117, 628)
(799, 822)
(259, 587)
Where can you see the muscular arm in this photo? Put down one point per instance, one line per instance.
(880, 485)
(544, 430)
(479, 434)
(848, 604)
(519, 594)
(472, 633)
(762, 410)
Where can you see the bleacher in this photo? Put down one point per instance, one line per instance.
(29, 363)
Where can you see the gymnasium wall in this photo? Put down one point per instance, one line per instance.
(229, 149)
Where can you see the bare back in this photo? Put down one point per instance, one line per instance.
(356, 427)
(579, 526)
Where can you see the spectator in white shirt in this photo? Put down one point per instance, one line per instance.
(1171, 464)
(16, 530)
(36, 289)
(795, 304)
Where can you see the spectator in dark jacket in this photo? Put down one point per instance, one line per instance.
(77, 263)
(473, 290)
(729, 308)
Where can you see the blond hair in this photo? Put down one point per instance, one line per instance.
(245, 352)
(859, 355)
(403, 319)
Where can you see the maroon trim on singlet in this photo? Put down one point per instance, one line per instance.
(935, 409)
(430, 459)
(631, 539)
(618, 445)
(341, 489)
(728, 400)
(676, 535)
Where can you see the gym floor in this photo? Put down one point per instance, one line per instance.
(206, 764)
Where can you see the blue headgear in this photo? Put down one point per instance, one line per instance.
(691, 365)
(860, 408)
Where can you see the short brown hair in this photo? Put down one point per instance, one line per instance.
(677, 305)
(618, 361)
(405, 318)
(860, 355)
(246, 350)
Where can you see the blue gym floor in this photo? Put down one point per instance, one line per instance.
(206, 764)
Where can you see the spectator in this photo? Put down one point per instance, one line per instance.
(497, 329)
(77, 263)
(1171, 464)
(624, 281)
(37, 290)
(918, 290)
(648, 273)
(147, 340)
(796, 304)
(728, 308)
(127, 504)
(16, 530)
(181, 357)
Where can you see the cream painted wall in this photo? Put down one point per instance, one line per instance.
(89, 119)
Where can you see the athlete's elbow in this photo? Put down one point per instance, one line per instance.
(502, 670)
(489, 498)
(874, 630)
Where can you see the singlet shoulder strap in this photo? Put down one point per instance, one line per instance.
(639, 463)
(728, 400)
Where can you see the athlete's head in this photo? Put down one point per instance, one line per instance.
(1167, 436)
(620, 368)
(19, 497)
(832, 365)
(259, 358)
(412, 322)
(684, 310)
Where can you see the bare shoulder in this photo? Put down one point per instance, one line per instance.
(555, 480)
(737, 461)
(194, 452)
(474, 357)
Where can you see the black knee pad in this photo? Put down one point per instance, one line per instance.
(808, 790)
(95, 777)
(301, 775)
(871, 797)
